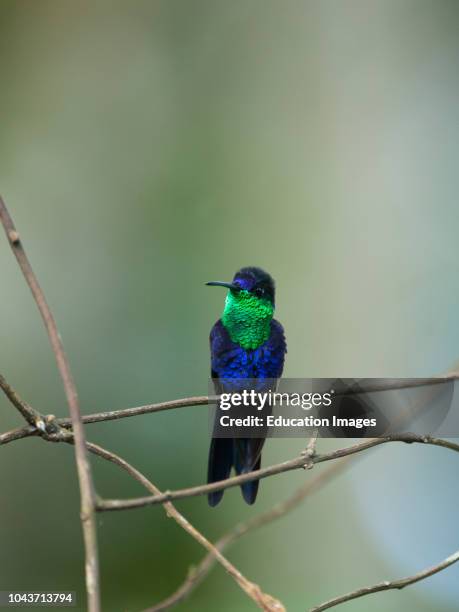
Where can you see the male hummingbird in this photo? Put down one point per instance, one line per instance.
(245, 343)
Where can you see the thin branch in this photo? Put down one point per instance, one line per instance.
(389, 585)
(18, 434)
(30, 414)
(87, 494)
(263, 600)
(293, 464)
(197, 574)
(201, 400)
(138, 410)
(99, 417)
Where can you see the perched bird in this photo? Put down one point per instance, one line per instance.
(245, 343)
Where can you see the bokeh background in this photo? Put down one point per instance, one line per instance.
(149, 146)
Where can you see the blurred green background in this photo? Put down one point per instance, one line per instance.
(149, 146)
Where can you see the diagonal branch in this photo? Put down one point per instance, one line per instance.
(83, 468)
(30, 414)
(263, 600)
(197, 574)
(389, 585)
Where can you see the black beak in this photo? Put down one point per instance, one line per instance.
(223, 284)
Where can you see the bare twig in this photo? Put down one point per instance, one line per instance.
(18, 434)
(83, 468)
(279, 468)
(201, 400)
(197, 574)
(388, 585)
(30, 414)
(263, 600)
(99, 417)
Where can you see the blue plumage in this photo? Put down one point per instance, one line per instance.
(231, 362)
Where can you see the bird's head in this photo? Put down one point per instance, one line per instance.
(249, 283)
(249, 306)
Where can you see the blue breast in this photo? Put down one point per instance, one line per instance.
(230, 361)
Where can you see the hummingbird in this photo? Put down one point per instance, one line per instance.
(245, 343)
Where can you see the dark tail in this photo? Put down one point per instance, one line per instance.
(247, 457)
(244, 454)
(250, 489)
(219, 467)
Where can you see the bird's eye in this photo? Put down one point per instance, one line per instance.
(259, 292)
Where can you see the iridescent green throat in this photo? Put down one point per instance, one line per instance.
(247, 319)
